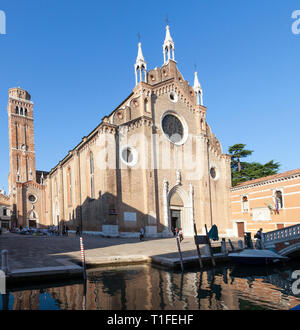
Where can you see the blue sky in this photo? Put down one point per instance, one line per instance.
(76, 60)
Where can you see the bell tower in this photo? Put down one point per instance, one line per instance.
(21, 138)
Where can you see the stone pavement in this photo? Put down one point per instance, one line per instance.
(37, 252)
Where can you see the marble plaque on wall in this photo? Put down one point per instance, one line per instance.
(261, 214)
(130, 216)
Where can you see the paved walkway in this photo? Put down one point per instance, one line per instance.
(37, 252)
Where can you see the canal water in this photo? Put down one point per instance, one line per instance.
(147, 288)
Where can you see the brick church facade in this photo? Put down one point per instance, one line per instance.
(152, 162)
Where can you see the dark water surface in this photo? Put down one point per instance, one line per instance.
(146, 288)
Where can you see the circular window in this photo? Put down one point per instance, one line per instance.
(173, 97)
(129, 156)
(173, 128)
(32, 198)
(213, 173)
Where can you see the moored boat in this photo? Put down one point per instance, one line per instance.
(256, 257)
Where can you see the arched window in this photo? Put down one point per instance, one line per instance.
(21, 111)
(92, 179)
(26, 160)
(55, 188)
(17, 140)
(146, 105)
(25, 113)
(25, 134)
(17, 110)
(18, 162)
(278, 199)
(69, 186)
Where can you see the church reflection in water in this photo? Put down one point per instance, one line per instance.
(146, 288)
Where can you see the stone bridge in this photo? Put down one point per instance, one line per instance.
(285, 241)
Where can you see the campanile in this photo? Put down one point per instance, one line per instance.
(21, 138)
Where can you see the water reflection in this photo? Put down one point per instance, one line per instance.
(143, 287)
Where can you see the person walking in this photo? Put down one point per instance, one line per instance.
(258, 236)
(67, 231)
(176, 232)
(77, 231)
(142, 233)
(180, 234)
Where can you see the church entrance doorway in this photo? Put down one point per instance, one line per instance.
(32, 219)
(179, 211)
(175, 220)
(176, 207)
(32, 223)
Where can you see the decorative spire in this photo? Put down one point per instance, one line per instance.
(168, 46)
(198, 89)
(140, 65)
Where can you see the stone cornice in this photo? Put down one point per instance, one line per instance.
(107, 128)
(21, 100)
(137, 122)
(12, 114)
(30, 183)
(266, 182)
(226, 157)
(4, 200)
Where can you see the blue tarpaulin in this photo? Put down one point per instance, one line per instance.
(296, 308)
(213, 233)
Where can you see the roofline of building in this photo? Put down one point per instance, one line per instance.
(268, 179)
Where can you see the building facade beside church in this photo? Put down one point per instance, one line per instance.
(269, 203)
(5, 210)
(153, 162)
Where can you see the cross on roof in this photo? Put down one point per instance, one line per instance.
(167, 20)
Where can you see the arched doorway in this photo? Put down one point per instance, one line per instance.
(180, 209)
(32, 219)
(176, 207)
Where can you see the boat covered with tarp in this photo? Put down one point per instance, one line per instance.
(256, 257)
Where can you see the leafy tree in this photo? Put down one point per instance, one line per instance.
(237, 152)
(244, 171)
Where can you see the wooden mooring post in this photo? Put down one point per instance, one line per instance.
(179, 251)
(210, 249)
(197, 246)
(231, 245)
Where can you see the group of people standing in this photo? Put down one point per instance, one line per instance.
(178, 233)
(55, 231)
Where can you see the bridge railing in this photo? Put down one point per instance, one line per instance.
(281, 235)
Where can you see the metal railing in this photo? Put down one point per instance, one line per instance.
(281, 235)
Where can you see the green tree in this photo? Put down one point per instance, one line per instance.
(245, 171)
(237, 152)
